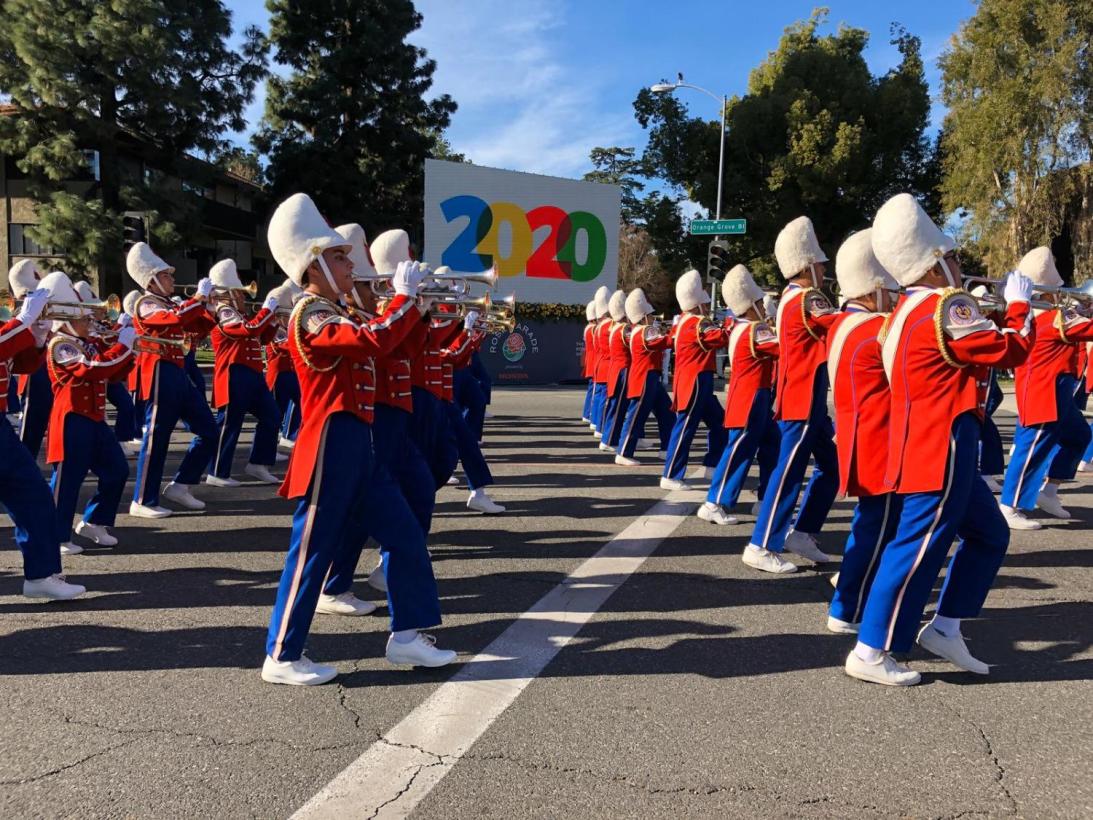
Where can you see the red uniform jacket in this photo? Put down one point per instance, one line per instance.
(237, 340)
(929, 392)
(333, 360)
(618, 351)
(646, 356)
(18, 354)
(160, 317)
(79, 369)
(278, 361)
(859, 388)
(1088, 369)
(455, 357)
(601, 349)
(394, 370)
(753, 355)
(588, 359)
(802, 333)
(1059, 335)
(428, 372)
(696, 341)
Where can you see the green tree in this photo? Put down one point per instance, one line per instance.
(351, 124)
(816, 134)
(1018, 82)
(88, 76)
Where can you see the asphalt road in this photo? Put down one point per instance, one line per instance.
(701, 688)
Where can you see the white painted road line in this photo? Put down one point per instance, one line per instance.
(396, 772)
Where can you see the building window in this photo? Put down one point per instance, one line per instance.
(20, 244)
(195, 188)
(91, 157)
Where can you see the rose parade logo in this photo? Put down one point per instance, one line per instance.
(515, 345)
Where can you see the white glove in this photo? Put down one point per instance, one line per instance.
(33, 305)
(41, 330)
(407, 278)
(470, 319)
(1018, 288)
(205, 288)
(271, 303)
(425, 304)
(126, 336)
(125, 320)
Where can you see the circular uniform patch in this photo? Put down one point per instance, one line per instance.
(817, 303)
(66, 353)
(962, 311)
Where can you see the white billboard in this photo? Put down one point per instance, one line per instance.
(551, 239)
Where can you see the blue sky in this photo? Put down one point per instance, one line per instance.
(541, 82)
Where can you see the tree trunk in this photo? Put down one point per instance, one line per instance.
(110, 258)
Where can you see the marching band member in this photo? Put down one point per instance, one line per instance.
(992, 459)
(859, 389)
(588, 359)
(239, 387)
(169, 394)
(485, 385)
(1052, 434)
(80, 366)
(467, 392)
(601, 360)
(1086, 464)
(800, 407)
(753, 354)
(934, 340)
(332, 467)
(696, 340)
(35, 392)
(23, 492)
(280, 375)
(645, 393)
(133, 380)
(618, 355)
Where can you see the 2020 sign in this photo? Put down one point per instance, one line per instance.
(478, 245)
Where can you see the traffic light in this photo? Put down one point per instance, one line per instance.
(133, 229)
(717, 262)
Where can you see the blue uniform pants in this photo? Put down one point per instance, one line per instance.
(1041, 450)
(25, 495)
(800, 440)
(482, 376)
(586, 411)
(615, 411)
(14, 404)
(343, 506)
(247, 393)
(37, 400)
(599, 399)
(286, 392)
(703, 408)
(743, 444)
(471, 401)
(928, 524)
(193, 371)
(173, 397)
(90, 446)
(991, 451)
(429, 431)
(654, 399)
(876, 520)
(125, 420)
(475, 468)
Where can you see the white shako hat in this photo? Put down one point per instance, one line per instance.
(857, 269)
(84, 291)
(637, 306)
(358, 254)
(601, 300)
(689, 291)
(298, 235)
(60, 289)
(770, 304)
(1039, 266)
(590, 311)
(23, 277)
(797, 247)
(739, 291)
(224, 274)
(390, 248)
(142, 263)
(906, 241)
(616, 305)
(129, 303)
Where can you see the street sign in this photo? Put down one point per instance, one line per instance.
(714, 227)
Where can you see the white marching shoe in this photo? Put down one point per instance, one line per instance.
(952, 648)
(1017, 520)
(992, 484)
(68, 548)
(841, 627)
(834, 580)
(262, 473)
(886, 671)
(181, 495)
(130, 448)
(803, 544)
(304, 672)
(279, 458)
(97, 533)
(624, 461)
(345, 604)
(217, 481)
(480, 500)
(452, 481)
(143, 511)
(767, 561)
(285, 443)
(52, 588)
(715, 514)
(1085, 466)
(673, 484)
(646, 444)
(421, 651)
(754, 509)
(1049, 502)
(376, 579)
(607, 448)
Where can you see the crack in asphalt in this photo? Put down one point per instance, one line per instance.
(52, 772)
(992, 756)
(439, 761)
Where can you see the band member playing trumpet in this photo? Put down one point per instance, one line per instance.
(601, 362)
(35, 392)
(238, 385)
(170, 395)
(80, 367)
(644, 390)
(588, 360)
(618, 355)
(280, 376)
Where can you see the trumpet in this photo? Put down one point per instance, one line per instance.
(495, 324)
(992, 301)
(250, 290)
(154, 344)
(460, 282)
(108, 309)
(464, 306)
